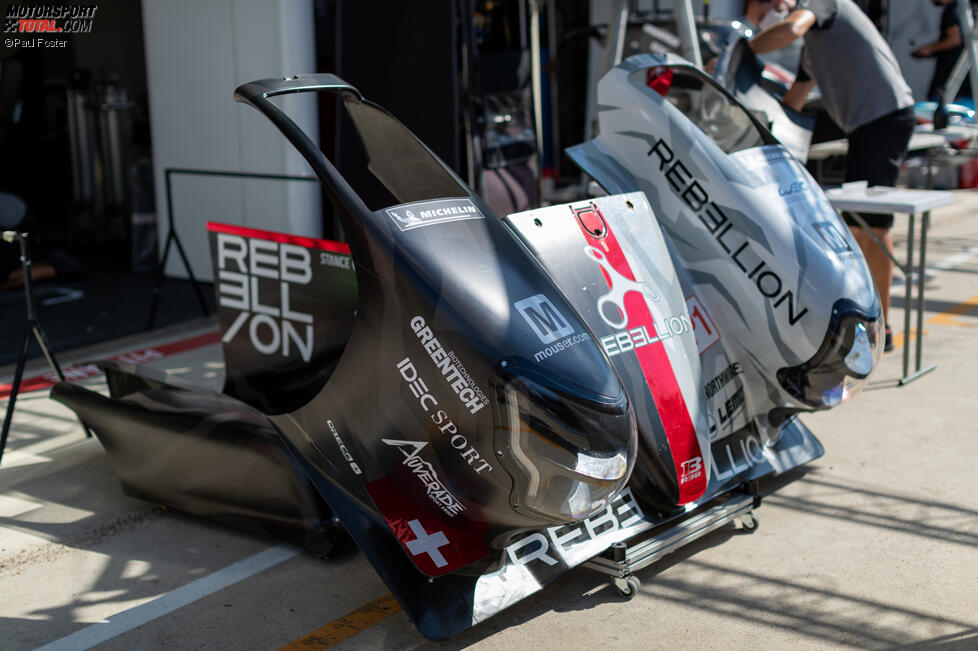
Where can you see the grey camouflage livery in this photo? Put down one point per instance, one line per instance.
(751, 233)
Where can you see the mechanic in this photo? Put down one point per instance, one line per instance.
(863, 91)
(946, 50)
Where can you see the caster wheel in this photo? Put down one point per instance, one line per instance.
(628, 587)
(749, 523)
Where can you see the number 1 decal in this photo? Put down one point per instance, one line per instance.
(703, 329)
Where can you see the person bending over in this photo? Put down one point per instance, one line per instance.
(863, 91)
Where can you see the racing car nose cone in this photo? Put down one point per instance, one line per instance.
(569, 451)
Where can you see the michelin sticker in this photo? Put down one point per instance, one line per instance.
(426, 213)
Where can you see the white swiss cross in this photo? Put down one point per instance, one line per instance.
(426, 543)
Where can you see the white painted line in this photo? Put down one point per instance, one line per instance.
(11, 507)
(13, 458)
(955, 260)
(932, 270)
(127, 620)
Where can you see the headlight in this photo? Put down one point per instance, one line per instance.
(843, 363)
(569, 454)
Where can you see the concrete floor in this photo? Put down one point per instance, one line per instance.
(875, 545)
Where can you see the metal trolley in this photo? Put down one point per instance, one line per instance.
(622, 559)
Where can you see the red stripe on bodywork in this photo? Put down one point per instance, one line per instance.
(282, 238)
(658, 373)
(139, 356)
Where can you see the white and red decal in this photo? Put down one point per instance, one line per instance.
(653, 360)
(705, 332)
(434, 546)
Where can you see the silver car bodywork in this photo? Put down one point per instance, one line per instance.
(749, 230)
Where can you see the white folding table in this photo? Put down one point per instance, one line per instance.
(856, 198)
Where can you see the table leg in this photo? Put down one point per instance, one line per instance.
(921, 279)
(908, 297)
(908, 290)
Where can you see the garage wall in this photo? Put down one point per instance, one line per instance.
(197, 53)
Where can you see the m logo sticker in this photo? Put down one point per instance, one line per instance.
(543, 318)
(833, 237)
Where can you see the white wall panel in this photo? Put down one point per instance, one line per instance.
(197, 53)
(913, 23)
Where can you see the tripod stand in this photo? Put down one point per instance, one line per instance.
(33, 327)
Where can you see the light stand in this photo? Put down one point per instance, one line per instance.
(33, 328)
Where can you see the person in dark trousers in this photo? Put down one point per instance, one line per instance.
(945, 50)
(863, 91)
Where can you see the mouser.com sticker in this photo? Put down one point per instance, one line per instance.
(549, 325)
(426, 213)
(831, 235)
(544, 318)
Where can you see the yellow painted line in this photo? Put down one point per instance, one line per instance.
(948, 317)
(898, 338)
(949, 320)
(347, 626)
